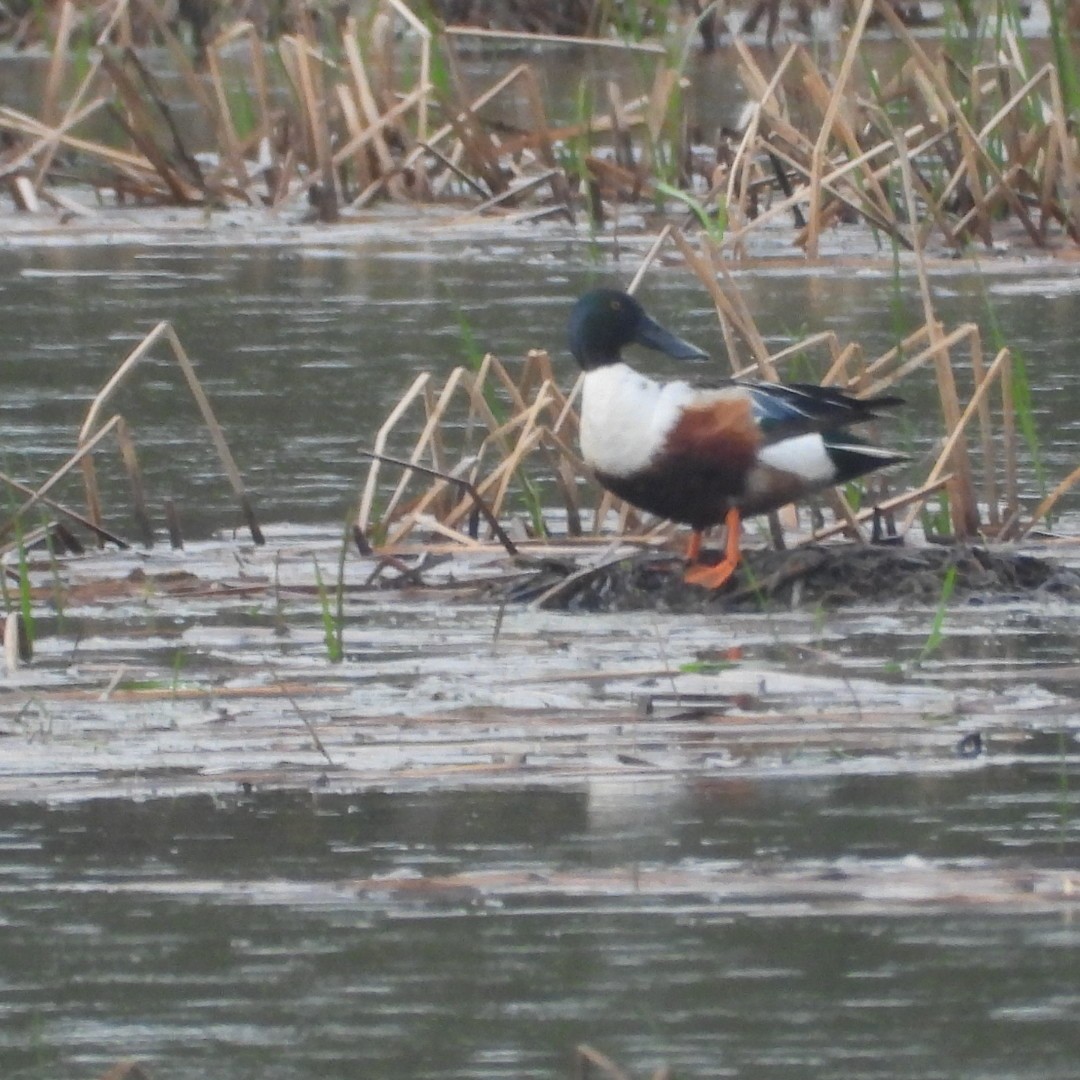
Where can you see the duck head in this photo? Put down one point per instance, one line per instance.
(603, 322)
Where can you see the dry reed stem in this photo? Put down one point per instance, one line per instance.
(164, 332)
(963, 506)
(54, 75)
(364, 94)
(827, 183)
(902, 369)
(1009, 441)
(363, 517)
(986, 438)
(971, 144)
(824, 99)
(370, 133)
(130, 461)
(730, 305)
(316, 124)
(226, 126)
(654, 250)
(917, 495)
(954, 441)
(424, 33)
(587, 1058)
(652, 47)
(139, 125)
(196, 87)
(80, 455)
(1047, 505)
(427, 435)
(60, 508)
(23, 124)
(817, 160)
(1069, 157)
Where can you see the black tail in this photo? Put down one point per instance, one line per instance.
(852, 456)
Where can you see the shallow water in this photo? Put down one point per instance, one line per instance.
(784, 867)
(813, 930)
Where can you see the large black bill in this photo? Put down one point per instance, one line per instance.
(651, 334)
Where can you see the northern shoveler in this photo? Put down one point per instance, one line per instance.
(705, 455)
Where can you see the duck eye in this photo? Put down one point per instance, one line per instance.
(616, 305)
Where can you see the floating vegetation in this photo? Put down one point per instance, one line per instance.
(963, 140)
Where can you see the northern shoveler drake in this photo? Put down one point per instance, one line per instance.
(705, 455)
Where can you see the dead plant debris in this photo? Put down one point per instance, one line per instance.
(826, 576)
(963, 144)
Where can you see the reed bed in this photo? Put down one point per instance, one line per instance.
(488, 459)
(510, 430)
(960, 151)
(57, 519)
(333, 117)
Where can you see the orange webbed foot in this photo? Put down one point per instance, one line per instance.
(710, 577)
(713, 577)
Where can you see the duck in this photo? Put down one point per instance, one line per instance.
(705, 455)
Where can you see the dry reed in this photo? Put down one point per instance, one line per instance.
(362, 114)
(521, 433)
(93, 433)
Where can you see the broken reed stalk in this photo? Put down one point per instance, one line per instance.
(163, 332)
(459, 481)
(817, 159)
(138, 490)
(101, 533)
(963, 505)
(85, 449)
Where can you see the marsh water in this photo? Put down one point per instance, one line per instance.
(765, 888)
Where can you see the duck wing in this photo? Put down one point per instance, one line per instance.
(785, 410)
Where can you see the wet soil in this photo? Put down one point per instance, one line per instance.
(829, 576)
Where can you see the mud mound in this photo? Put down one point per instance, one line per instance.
(828, 576)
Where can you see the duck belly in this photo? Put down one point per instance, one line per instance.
(694, 496)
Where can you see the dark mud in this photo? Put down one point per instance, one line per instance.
(830, 576)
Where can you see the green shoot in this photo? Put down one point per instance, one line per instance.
(25, 598)
(333, 628)
(713, 222)
(936, 635)
(1066, 64)
(177, 666)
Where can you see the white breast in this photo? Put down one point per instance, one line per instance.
(626, 417)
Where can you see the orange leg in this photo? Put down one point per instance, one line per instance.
(693, 549)
(712, 577)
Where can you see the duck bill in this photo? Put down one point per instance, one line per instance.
(652, 335)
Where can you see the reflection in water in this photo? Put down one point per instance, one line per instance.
(219, 936)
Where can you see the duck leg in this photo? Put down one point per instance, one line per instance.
(712, 577)
(693, 549)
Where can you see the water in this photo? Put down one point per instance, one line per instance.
(804, 879)
(243, 936)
